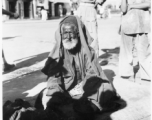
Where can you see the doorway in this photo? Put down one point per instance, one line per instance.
(26, 9)
(50, 9)
(12, 8)
(57, 8)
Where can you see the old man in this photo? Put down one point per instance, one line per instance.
(73, 71)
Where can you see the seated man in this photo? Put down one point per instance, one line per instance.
(73, 71)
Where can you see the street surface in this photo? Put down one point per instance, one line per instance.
(27, 43)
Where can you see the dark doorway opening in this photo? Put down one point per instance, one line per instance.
(12, 6)
(57, 8)
(26, 9)
(50, 9)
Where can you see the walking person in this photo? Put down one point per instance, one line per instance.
(44, 14)
(60, 10)
(6, 65)
(74, 7)
(135, 46)
(87, 12)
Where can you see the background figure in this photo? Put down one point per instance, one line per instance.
(44, 14)
(39, 12)
(135, 46)
(109, 12)
(7, 66)
(88, 14)
(60, 10)
(74, 8)
(101, 11)
(105, 16)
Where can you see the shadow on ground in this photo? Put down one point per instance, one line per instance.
(110, 56)
(28, 61)
(115, 50)
(107, 115)
(15, 88)
(6, 38)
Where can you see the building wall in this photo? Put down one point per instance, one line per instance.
(27, 9)
(23, 7)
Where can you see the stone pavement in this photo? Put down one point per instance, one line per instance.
(32, 47)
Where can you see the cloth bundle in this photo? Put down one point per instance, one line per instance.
(22, 110)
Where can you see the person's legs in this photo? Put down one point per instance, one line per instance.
(88, 15)
(126, 56)
(143, 50)
(6, 66)
(3, 57)
(94, 35)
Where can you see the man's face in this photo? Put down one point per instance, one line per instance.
(69, 37)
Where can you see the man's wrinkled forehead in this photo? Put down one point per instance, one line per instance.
(68, 27)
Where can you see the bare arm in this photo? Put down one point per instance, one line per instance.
(124, 6)
(5, 12)
(145, 5)
(99, 2)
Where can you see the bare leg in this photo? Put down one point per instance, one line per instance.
(126, 56)
(143, 49)
(6, 66)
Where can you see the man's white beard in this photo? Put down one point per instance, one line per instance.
(69, 45)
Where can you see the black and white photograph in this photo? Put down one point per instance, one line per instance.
(76, 60)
